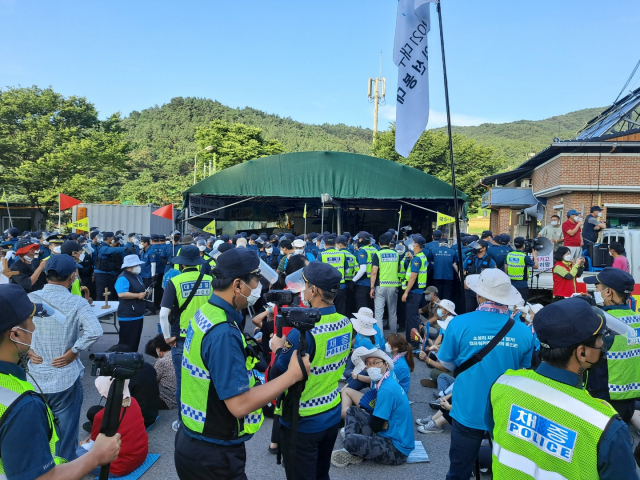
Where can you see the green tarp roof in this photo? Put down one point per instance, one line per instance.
(310, 174)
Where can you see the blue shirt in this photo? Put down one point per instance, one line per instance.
(315, 423)
(104, 252)
(467, 336)
(415, 268)
(361, 258)
(431, 245)
(122, 286)
(478, 261)
(528, 261)
(25, 434)
(402, 373)
(363, 340)
(443, 260)
(615, 456)
(499, 254)
(223, 353)
(392, 405)
(149, 257)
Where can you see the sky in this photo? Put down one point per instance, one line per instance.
(507, 60)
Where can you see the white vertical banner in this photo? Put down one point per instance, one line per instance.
(411, 55)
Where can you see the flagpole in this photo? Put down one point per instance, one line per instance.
(453, 164)
(4, 194)
(305, 219)
(59, 215)
(399, 218)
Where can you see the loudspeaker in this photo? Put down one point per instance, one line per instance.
(600, 257)
(535, 211)
(543, 246)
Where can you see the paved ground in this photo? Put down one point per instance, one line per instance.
(261, 464)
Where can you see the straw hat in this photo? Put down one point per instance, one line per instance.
(364, 322)
(493, 284)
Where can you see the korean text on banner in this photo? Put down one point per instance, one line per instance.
(411, 55)
(82, 224)
(210, 228)
(445, 219)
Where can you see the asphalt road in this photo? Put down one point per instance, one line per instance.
(260, 463)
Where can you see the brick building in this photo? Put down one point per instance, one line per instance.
(600, 167)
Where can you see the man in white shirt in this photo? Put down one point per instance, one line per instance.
(553, 232)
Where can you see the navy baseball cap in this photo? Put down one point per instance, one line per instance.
(63, 264)
(239, 262)
(437, 234)
(364, 235)
(271, 237)
(189, 255)
(505, 239)
(323, 276)
(223, 247)
(385, 238)
(154, 236)
(107, 234)
(290, 236)
(224, 237)
(347, 234)
(15, 305)
(94, 234)
(568, 322)
(342, 239)
(483, 243)
(13, 232)
(596, 208)
(518, 241)
(253, 237)
(69, 247)
(146, 239)
(419, 239)
(614, 278)
(572, 212)
(487, 233)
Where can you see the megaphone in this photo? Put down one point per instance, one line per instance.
(543, 246)
(534, 211)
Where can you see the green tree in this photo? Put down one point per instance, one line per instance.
(234, 143)
(431, 155)
(51, 144)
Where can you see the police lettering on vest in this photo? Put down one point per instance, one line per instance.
(388, 267)
(184, 285)
(336, 259)
(516, 268)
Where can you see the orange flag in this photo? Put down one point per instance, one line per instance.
(67, 202)
(165, 212)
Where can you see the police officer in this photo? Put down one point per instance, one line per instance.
(209, 262)
(517, 266)
(445, 261)
(385, 282)
(617, 379)
(545, 425)
(148, 270)
(319, 413)
(342, 244)
(361, 280)
(269, 256)
(108, 262)
(134, 241)
(500, 251)
(12, 240)
(310, 246)
(416, 283)
(74, 250)
(220, 404)
(337, 260)
(474, 264)
(86, 272)
(28, 433)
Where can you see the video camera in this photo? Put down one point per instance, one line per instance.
(302, 319)
(541, 245)
(117, 365)
(405, 231)
(280, 297)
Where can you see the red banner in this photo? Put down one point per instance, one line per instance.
(67, 202)
(165, 212)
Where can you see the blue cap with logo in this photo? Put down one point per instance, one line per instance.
(62, 264)
(614, 278)
(237, 263)
(323, 276)
(567, 322)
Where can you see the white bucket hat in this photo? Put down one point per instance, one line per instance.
(131, 261)
(495, 285)
(298, 243)
(364, 321)
(450, 307)
(361, 353)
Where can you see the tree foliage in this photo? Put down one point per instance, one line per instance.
(51, 144)
(431, 155)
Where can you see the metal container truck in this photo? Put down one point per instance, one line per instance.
(130, 218)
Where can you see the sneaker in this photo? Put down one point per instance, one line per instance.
(435, 405)
(430, 427)
(342, 458)
(176, 425)
(437, 395)
(422, 421)
(427, 382)
(342, 433)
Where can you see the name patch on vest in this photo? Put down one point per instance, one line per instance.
(388, 257)
(339, 344)
(546, 435)
(187, 341)
(203, 290)
(633, 336)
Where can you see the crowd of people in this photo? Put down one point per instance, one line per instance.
(322, 333)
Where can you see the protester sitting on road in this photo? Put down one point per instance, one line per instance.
(135, 442)
(429, 312)
(158, 348)
(401, 353)
(385, 435)
(565, 272)
(446, 313)
(367, 335)
(436, 423)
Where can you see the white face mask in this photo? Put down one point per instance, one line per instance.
(56, 249)
(440, 313)
(306, 303)
(375, 373)
(27, 258)
(269, 251)
(387, 348)
(81, 257)
(599, 214)
(554, 223)
(529, 318)
(567, 258)
(137, 269)
(298, 251)
(202, 248)
(254, 296)
(576, 218)
(598, 298)
(168, 242)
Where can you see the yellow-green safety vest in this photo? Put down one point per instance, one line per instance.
(515, 265)
(201, 409)
(370, 251)
(350, 265)
(332, 337)
(402, 272)
(388, 267)
(75, 288)
(421, 281)
(623, 358)
(545, 429)
(11, 389)
(336, 259)
(183, 284)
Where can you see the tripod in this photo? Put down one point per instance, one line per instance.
(111, 419)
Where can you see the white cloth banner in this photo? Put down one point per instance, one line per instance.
(411, 55)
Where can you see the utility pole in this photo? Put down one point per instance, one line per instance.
(376, 96)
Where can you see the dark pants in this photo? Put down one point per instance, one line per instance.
(130, 333)
(275, 429)
(176, 358)
(415, 301)
(362, 298)
(470, 300)
(349, 297)
(341, 302)
(524, 291)
(444, 288)
(158, 292)
(401, 311)
(465, 444)
(313, 453)
(200, 460)
(108, 281)
(148, 303)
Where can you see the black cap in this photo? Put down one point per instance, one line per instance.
(131, 235)
(437, 234)
(107, 234)
(63, 264)
(342, 239)
(419, 239)
(15, 306)
(483, 243)
(69, 247)
(13, 231)
(518, 241)
(614, 278)
(56, 238)
(147, 239)
(189, 255)
(487, 233)
(595, 208)
(238, 262)
(223, 247)
(385, 238)
(94, 234)
(567, 322)
(323, 276)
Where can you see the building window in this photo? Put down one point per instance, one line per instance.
(623, 217)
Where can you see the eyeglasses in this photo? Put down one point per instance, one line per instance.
(374, 363)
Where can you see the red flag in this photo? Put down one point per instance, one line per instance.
(67, 202)
(165, 212)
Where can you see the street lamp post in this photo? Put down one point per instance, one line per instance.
(195, 161)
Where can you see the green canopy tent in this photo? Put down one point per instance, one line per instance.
(366, 193)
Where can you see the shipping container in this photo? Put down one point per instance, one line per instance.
(130, 218)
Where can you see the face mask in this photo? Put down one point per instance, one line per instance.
(387, 348)
(202, 248)
(554, 223)
(22, 343)
(528, 318)
(375, 373)
(45, 243)
(168, 242)
(269, 251)
(36, 255)
(598, 298)
(298, 251)
(27, 258)
(136, 242)
(599, 214)
(56, 249)
(427, 297)
(137, 269)
(567, 258)
(440, 313)
(253, 296)
(81, 257)
(306, 303)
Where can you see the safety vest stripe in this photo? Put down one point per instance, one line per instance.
(195, 371)
(318, 401)
(555, 397)
(630, 319)
(523, 464)
(623, 355)
(388, 283)
(332, 367)
(7, 397)
(330, 327)
(202, 322)
(183, 332)
(192, 413)
(631, 387)
(252, 418)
